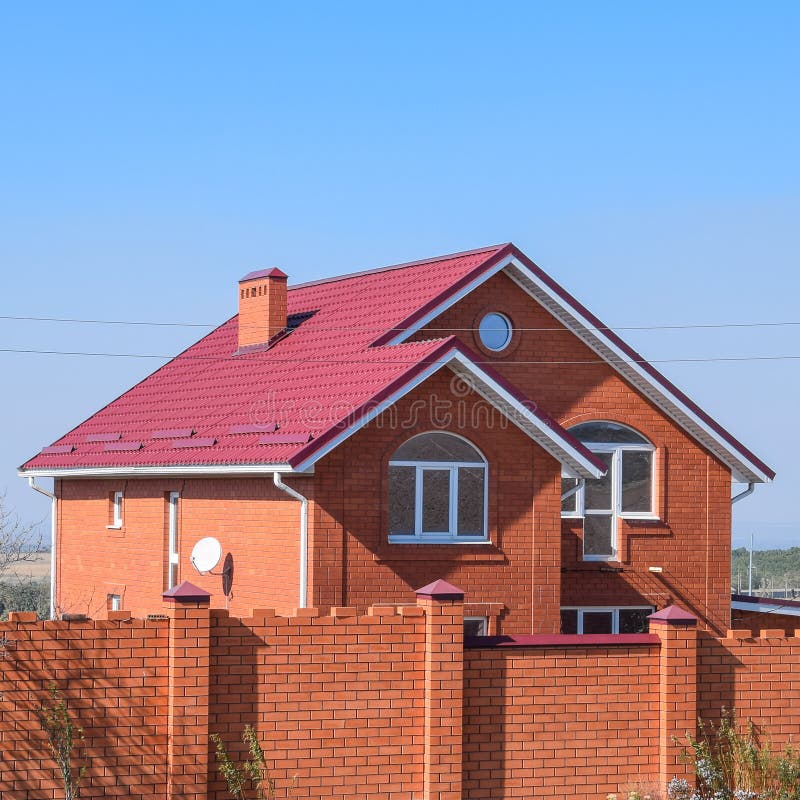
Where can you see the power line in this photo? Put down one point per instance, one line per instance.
(345, 361)
(383, 328)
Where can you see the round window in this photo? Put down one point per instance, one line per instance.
(495, 331)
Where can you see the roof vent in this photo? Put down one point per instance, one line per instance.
(262, 307)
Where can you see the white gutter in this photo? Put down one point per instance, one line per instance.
(276, 478)
(53, 517)
(751, 487)
(156, 471)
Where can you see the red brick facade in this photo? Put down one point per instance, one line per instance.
(532, 565)
(385, 705)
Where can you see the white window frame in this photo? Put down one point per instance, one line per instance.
(173, 553)
(116, 507)
(604, 610)
(450, 536)
(115, 602)
(483, 620)
(616, 450)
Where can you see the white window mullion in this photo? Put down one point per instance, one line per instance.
(173, 555)
(453, 499)
(418, 500)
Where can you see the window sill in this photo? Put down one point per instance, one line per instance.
(480, 551)
(113, 527)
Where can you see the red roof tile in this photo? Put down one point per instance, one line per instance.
(332, 366)
(306, 383)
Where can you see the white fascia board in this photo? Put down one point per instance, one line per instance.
(743, 470)
(211, 470)
(773, 608)
(451, 301)
(370, 415)
(576, 464)
(574, 461)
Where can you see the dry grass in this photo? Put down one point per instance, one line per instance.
(38, 567)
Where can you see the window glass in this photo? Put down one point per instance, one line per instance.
(470, 500)
(436, 500)
(606, 433)
(637, 466)
(437, 489)
(569, 620)
(634, 620)
(570, 505)
(402, 491)
(598, 621)
(475, 626)
(598, 491)
(598, 538)
(437, 447)
(495, 331)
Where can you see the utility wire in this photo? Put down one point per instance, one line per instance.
(344, 361)
(383, 328)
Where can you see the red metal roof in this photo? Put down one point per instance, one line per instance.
(307, 383)
(331, 367)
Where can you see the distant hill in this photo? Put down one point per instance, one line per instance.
(771, 568)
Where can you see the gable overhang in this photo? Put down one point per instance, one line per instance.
(155, 471)
(576, 460)
(638, 372)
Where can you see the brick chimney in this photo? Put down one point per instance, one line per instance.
(262, 306)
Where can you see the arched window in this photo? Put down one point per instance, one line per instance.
(625, 491)
(437, 490)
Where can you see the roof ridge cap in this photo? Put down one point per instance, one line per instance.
(403, 265)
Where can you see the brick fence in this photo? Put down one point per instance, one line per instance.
(388, 704)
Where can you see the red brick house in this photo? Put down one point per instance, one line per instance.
(351, 439)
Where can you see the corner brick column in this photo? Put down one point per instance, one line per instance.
(444, 689)
(187, 726)
(677, 630)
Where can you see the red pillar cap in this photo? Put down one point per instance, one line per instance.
(674, 615)
(187, 593)
(441, 590)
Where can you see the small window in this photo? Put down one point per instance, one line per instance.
(476, 626)
(116, 510)
(495, 331)
(625, 491)
(601, 620)
(114, 602)
(437, 490)
(173, 554)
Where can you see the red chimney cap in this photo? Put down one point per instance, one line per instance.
(674, 615)
(441, 590)
(187, 593)
(264, 273)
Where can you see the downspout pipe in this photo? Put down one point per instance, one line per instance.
(751, 487)
(53, 517)
(276, 478)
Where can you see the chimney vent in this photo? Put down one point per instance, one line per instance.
(262, 306)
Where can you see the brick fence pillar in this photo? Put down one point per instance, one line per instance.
(677, 630)
(444, 688)
(187, 732)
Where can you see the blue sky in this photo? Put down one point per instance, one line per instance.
(645, 154)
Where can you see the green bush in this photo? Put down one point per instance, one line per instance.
(20, 594)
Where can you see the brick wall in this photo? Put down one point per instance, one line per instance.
(384, 705)
(252, 519)
(559, 721)
(757, 621)
(758, 676)
(693, 488)
(339, 699)
(353, 561)
(114, 678)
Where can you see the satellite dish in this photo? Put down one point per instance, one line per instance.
(206, 554)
